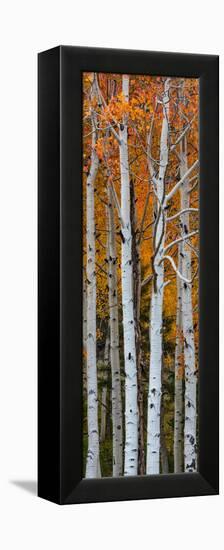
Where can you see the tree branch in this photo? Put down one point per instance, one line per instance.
(182, 134)
(148, 150)
(116, 202)
(181, 212)
(146, 280)
(187, 236)
(143, 217)
(188, 281)
(193, 186)
(181, 181)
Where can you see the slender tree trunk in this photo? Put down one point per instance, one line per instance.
(163, 448)
(137, 305)
(156, 317)
(104, 391)
(84, 331)
(190, 452)
(92, 465)
(131, 405)
(178, 394)
(117, 421)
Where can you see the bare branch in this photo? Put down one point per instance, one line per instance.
(193, 248)
(195, 184)
(147, 280)
(117, 205)
(143, 217)
(181, 212)
(100, 198)
(181, 181)
(193, 178)
(182, 134)
(188, 281)
(101, 269)
(173, 243)
(100, 242)
(148, 150)
(177, 155)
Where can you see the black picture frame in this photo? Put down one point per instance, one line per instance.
(60, 281)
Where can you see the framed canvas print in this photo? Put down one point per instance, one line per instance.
(128, 275)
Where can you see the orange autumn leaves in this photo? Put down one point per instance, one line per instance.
(144, 114)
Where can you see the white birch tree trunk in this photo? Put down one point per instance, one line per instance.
(163, 448)
(84, 329)
(190, 452)
(156, 317)
(131, 407)
(103, 412)
(92, 464)
(117, 421)
(178, 393)
(84, 313)
(104, 391)
(136, 262)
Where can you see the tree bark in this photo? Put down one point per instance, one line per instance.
(117, 420)
(104, 391)
(178, 393)
(92, 464)
(190, 451)
(131, 405)
(163, 448)
(84, 331)
(156, 317)
(137, 306)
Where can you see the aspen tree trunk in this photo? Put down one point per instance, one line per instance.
(137, 304)
(84, 330)
(178, 394)
(190, 452)
(156, 317)
(163, 448)
(117, 421)
(131, 405)
(104, 391)
(84, 313)
(92, 464)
